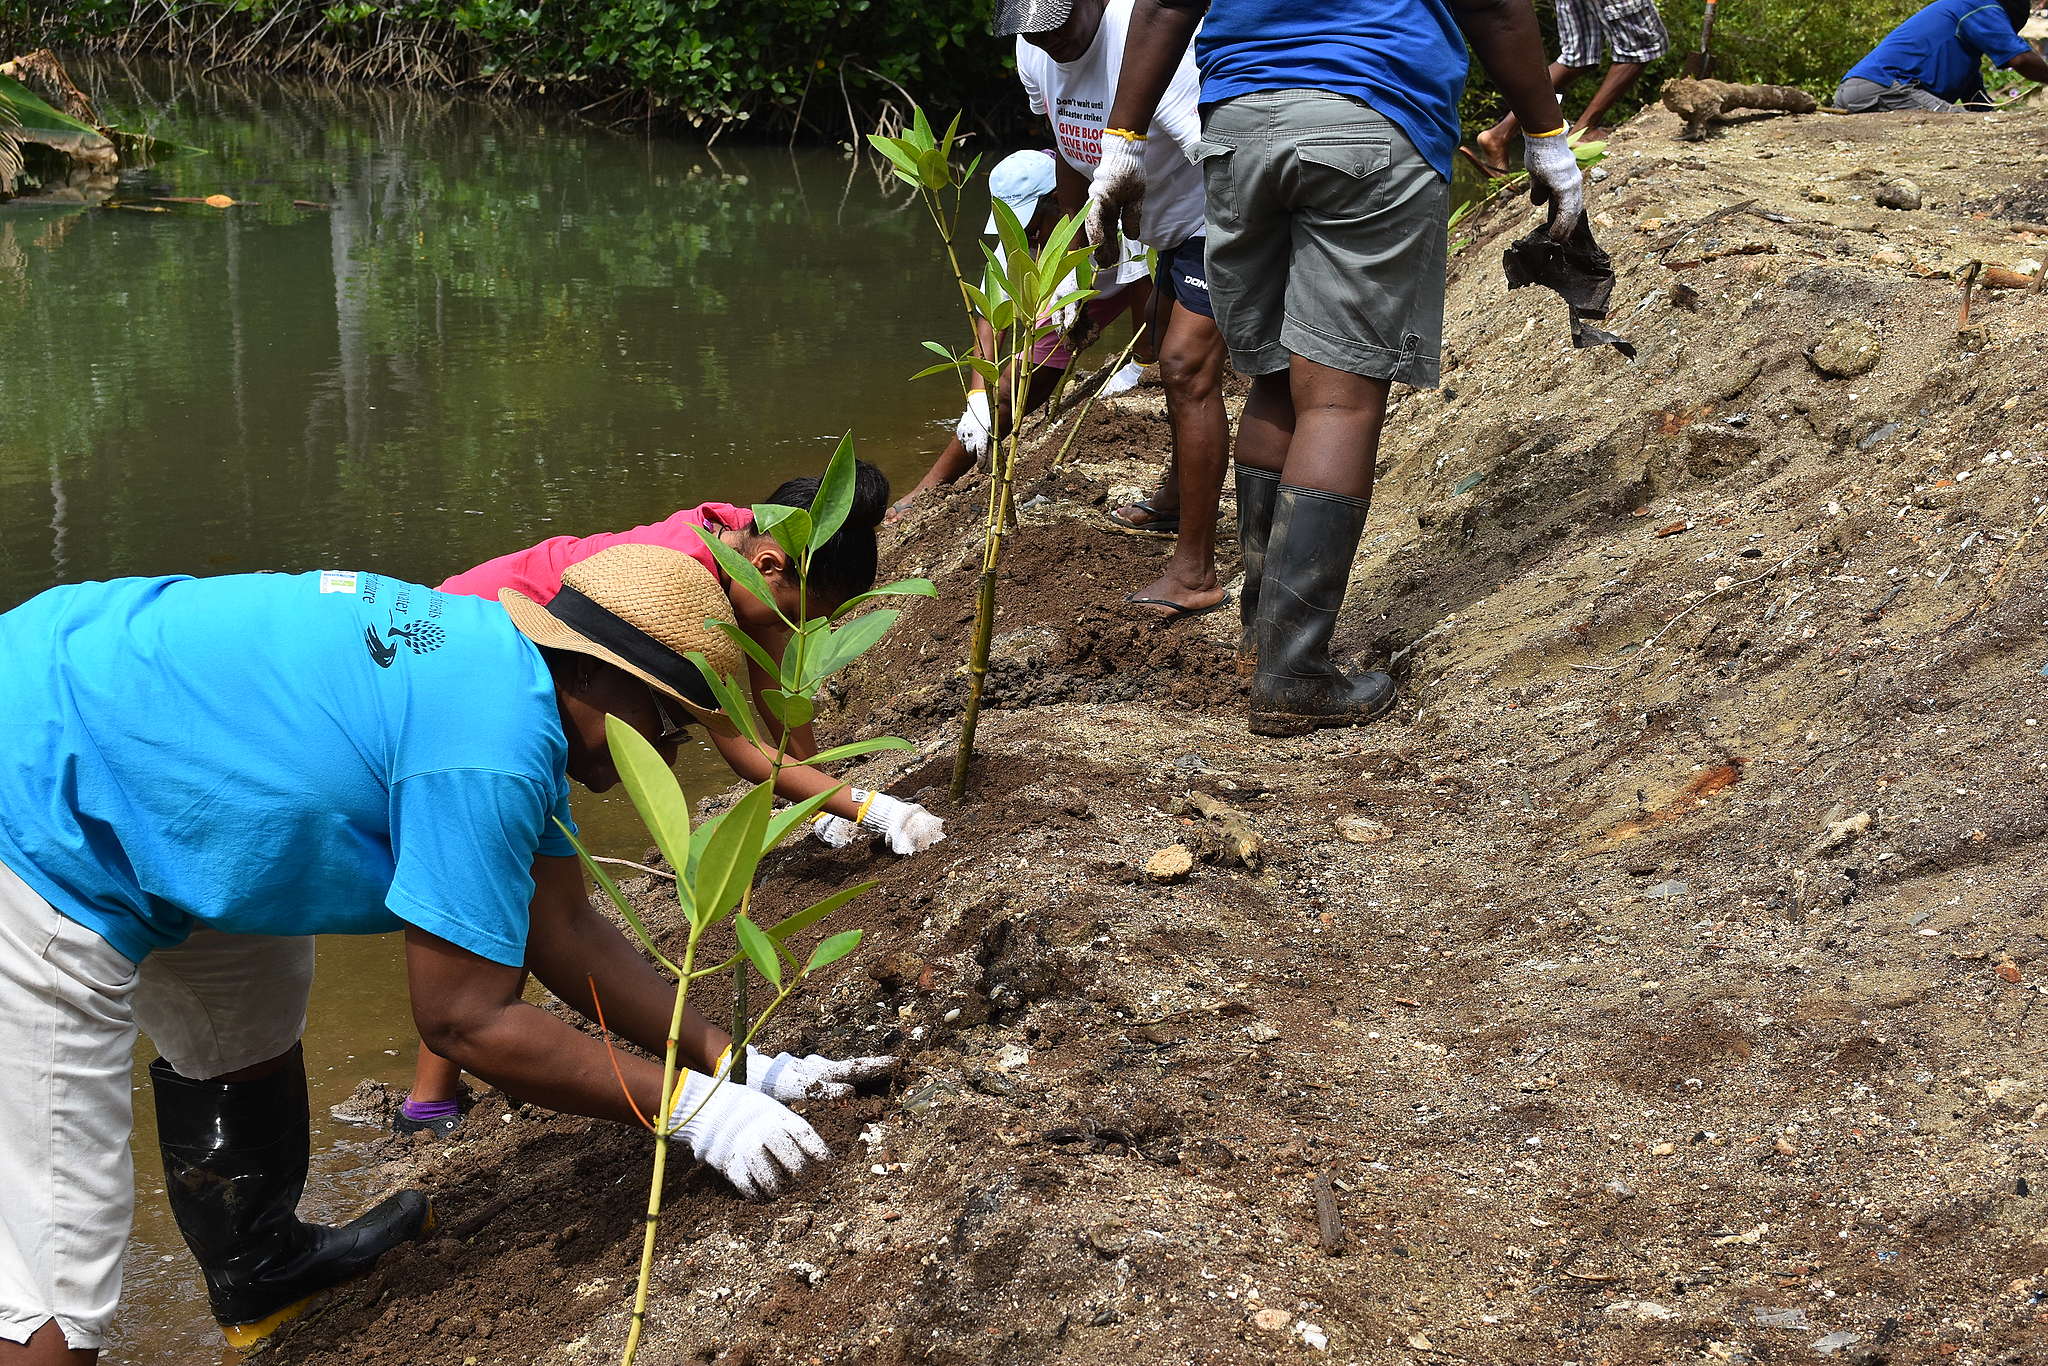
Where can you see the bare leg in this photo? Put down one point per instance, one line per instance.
(1337, 420)
(1493, 143)
(1613, 86)
(434, 1078)
(46, 1347)
(1166, 501)
(1191, 363)
(1267, 424)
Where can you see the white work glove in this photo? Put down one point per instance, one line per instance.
(910, 828)
(754, 1141)
(788, 1077)
(1116, 193)
(976, 425)
(1554, 173)
(836, 831)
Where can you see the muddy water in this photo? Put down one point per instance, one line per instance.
(481, 328)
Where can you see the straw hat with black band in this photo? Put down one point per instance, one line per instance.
(640, 608)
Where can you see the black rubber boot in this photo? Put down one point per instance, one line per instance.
(1256, 489)
(234, 1166)
(1307, 566)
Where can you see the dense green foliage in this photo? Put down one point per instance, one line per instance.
(721, 63)
(1779, 42)
(778, 64)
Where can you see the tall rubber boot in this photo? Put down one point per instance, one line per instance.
(234, 1166)
(1256, 490)
(1308, 565)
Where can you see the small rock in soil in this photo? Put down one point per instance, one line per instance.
(1258, 1031)
(1171, 864)
(1362, 830)
(1272, 1320)
(1849, 347)
(1794, 1319)
(1898, 194)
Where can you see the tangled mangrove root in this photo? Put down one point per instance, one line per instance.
(1701, 102)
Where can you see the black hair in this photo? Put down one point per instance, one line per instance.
(2018, 11)
(844, 565)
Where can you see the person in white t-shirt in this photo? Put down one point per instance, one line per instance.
(1069, 54)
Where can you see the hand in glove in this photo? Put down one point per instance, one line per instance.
(1554, 174)
(754, 1141)
(911, 829)
(788, 1077)
(1116, 193)
(836, 831)
(976, 426)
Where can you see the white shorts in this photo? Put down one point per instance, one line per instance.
(70, 1004)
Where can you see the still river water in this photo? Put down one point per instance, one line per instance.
(496, 328)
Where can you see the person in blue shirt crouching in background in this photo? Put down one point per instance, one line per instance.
(1934, 60)
(1328, 128)
(198, 775)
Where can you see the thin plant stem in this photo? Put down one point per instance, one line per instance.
(1000, 482)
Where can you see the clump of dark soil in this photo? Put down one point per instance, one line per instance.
(1655, 985)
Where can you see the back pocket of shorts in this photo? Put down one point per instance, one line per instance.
(1336, 170)
(1217, 160)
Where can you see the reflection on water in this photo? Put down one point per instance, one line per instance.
(496, 330)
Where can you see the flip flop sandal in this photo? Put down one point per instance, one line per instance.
(1490, 172)
(1177, 611)
(1165, 524)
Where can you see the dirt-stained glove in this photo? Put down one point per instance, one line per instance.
(910, 828)
(975, 426)
(836, 831)
(755, 1141)
(1554, 173)
(788, 1077)
(1116, 193)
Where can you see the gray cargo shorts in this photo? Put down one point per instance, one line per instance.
(1326, 236)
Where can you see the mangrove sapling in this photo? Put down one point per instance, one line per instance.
(715, 862)
(1026, 295)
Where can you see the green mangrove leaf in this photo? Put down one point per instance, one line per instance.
(737, 566)
(747, 643)
(1010, 231)
(856, 638)
(857, 748)
(791, 527)
(922, 588)
(35, 120)
(818, 910)
(833, 949)
(726, 867)
(731, 701)
(656, 794)
(795, 814)
(619, 902)
(759, 949)
(793, 709)
(900, 154)
(948, 368)
(834, 498)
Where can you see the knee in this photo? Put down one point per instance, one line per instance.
(1190, 376)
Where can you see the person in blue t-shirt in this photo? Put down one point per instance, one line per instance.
(1934, 60)
(1328, 128)
(199, 775)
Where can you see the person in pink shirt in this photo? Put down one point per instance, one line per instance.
(840, 569)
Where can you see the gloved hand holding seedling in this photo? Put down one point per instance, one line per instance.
(752, 1139)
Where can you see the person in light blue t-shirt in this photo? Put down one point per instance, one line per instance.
(1934, 61)
(1328, 128)
(199, 775)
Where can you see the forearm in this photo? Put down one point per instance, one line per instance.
(1504, 37)
(529, 1053)
(576, 960)
(796, 782)
(1159, 36)
(2032, 65)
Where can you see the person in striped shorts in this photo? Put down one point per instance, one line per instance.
(1631, 30)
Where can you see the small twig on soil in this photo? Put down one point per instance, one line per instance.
(1666, 247)
(1969, 281)
(638, 867)
(1329, 1223)
(1652, 641)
